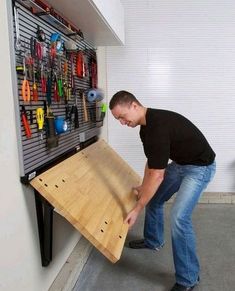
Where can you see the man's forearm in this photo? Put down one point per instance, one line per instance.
(151, 182)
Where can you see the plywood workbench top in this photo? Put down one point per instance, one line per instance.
(92, 190)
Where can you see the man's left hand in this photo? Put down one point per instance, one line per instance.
(131, 217)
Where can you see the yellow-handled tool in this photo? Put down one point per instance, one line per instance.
(40, 120)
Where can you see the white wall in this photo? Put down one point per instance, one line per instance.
(113, 13)
(20, 261)
(179, 55)
(102, 81)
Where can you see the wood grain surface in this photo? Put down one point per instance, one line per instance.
(92, 190)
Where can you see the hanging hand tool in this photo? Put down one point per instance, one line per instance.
(45, 108)
(49, 90)
(52, 139)
(84, 107)
(43, 80)
(25, 122)
(18, 40)
(73, 117)
(60, 87)
(36, 52)
(25, 89)
(35, 92)
(56, 95)
(66, 85)
(93, 74)
(41, 36)
(35, 89)
(65, 67)
(86, 65)
(44, 50)
(72, 74)
(31, 116)
(40, 121)
(80, 64)
(29, 61)
(59, 79)
(33, 47)
(39, 51)
(103, 111)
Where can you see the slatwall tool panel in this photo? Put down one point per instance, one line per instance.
(34, 150)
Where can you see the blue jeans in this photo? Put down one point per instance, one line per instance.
(188, 181)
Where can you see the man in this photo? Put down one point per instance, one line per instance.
(168, 136)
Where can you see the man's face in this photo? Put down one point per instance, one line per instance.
(126, 114)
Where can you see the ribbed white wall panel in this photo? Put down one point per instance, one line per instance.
(179, 55)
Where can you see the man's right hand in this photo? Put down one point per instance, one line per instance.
(137, 192)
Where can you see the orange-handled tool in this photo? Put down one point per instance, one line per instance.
(25, 89)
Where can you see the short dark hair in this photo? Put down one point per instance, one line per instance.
(122, 98)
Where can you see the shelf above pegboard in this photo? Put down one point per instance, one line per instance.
(102, 22)
(53, 17)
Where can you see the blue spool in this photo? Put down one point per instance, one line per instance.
(94, 95)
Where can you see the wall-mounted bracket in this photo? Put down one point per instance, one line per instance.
(44, 212)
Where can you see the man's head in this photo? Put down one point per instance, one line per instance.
(127, 109)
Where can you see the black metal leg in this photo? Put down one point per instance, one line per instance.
(45, 225)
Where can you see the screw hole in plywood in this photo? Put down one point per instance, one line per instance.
(56, 186)
(63, 180)
(106, 222)
(40, 179)
(101, 230)
(120, 236)
(46, 185)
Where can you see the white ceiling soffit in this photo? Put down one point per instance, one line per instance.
(102, 22)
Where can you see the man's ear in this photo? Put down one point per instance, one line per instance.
(135, 105)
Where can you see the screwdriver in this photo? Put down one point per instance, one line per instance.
(40, 121)
(25, 122)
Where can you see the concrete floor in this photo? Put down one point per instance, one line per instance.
(147, 270)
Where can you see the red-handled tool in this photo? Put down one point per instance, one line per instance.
(43, 80)
(25, 122)
(80, 64)
(43, 84)
(35, 92)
